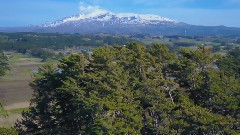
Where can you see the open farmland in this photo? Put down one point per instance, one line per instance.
(15, 91)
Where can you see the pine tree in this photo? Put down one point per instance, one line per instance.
(130, 90)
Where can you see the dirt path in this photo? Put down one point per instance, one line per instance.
(14, 106)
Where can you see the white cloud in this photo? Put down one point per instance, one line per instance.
(168, 9)
(90, 9)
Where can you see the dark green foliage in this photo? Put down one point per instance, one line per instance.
(41, 45)
(230, 64)
(207, 87)
(184, 44)
(216, 48)
(130, 90)
(22, 41)
(193, 119)
(3, 64)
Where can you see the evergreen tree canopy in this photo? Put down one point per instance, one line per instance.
(130, 90)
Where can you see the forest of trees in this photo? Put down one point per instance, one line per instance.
(133, 90)
(27, 41)
(39, 45)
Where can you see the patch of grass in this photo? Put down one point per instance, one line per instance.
(51, 61)
(221, 53)
(26, 72)
(2, 111)
(15, 57)
(18, 57)
(10, 112)
(18, 111)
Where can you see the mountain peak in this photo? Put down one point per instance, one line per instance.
(107, 16)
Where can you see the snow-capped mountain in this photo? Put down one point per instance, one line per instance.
(111, 19)
(102, 21)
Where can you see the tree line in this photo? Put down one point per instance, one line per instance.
(39, 45)
(134, 90)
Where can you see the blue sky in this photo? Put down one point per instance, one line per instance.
(198, 12)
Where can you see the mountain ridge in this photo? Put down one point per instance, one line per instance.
(130, 18)
(102, 21)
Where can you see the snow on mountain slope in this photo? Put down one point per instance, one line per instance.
(94, 20)
(113, 18)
